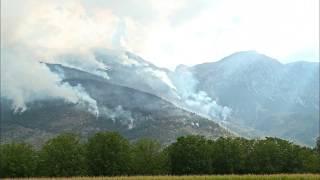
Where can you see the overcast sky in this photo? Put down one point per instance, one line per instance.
(165, 32)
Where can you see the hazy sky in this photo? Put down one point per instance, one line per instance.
(165, 32)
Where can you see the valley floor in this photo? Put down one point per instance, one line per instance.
(204, 177)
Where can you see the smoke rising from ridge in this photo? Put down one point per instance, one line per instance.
(24, 80)
(50, 32)
(196, 100)
(118, 114)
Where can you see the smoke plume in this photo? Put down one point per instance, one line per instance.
(118, 114)
(24, 80)
(50, 32)
(195, 100)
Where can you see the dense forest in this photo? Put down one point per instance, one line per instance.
(110, 154)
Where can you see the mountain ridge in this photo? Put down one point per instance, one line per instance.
(131, 112)
(248, 93)
(270, 89)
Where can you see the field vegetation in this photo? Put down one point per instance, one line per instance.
(199, 177)
(109, 154)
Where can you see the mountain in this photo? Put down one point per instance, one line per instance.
(133, 113)
(246, 93)
(128, 69)
(266, 96)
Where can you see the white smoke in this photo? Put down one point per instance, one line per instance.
(62, 32)
(86, 100)
(162, 75)
(195, 100)
(46, 31)
(84, 62)
(49, 31)
(24, 80)
(118, 114)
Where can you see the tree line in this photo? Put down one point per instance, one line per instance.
(110, 154)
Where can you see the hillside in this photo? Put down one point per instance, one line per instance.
(133, 113)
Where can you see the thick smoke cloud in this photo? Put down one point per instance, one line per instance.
(195, 100)
(67, 32)
(50, 32)
(24, 80)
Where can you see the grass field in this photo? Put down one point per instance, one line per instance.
(205, 177)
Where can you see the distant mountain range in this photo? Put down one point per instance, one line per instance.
(267, 98)
(246, 94)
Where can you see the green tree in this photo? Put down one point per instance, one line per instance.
(147, 158)
(273, 155)
(190, 155)
(247, 148)
(318, 145)
(291, 161)
(108, 153)
(17, 160)
(62, 156)
(229, 155)
(310, 160)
